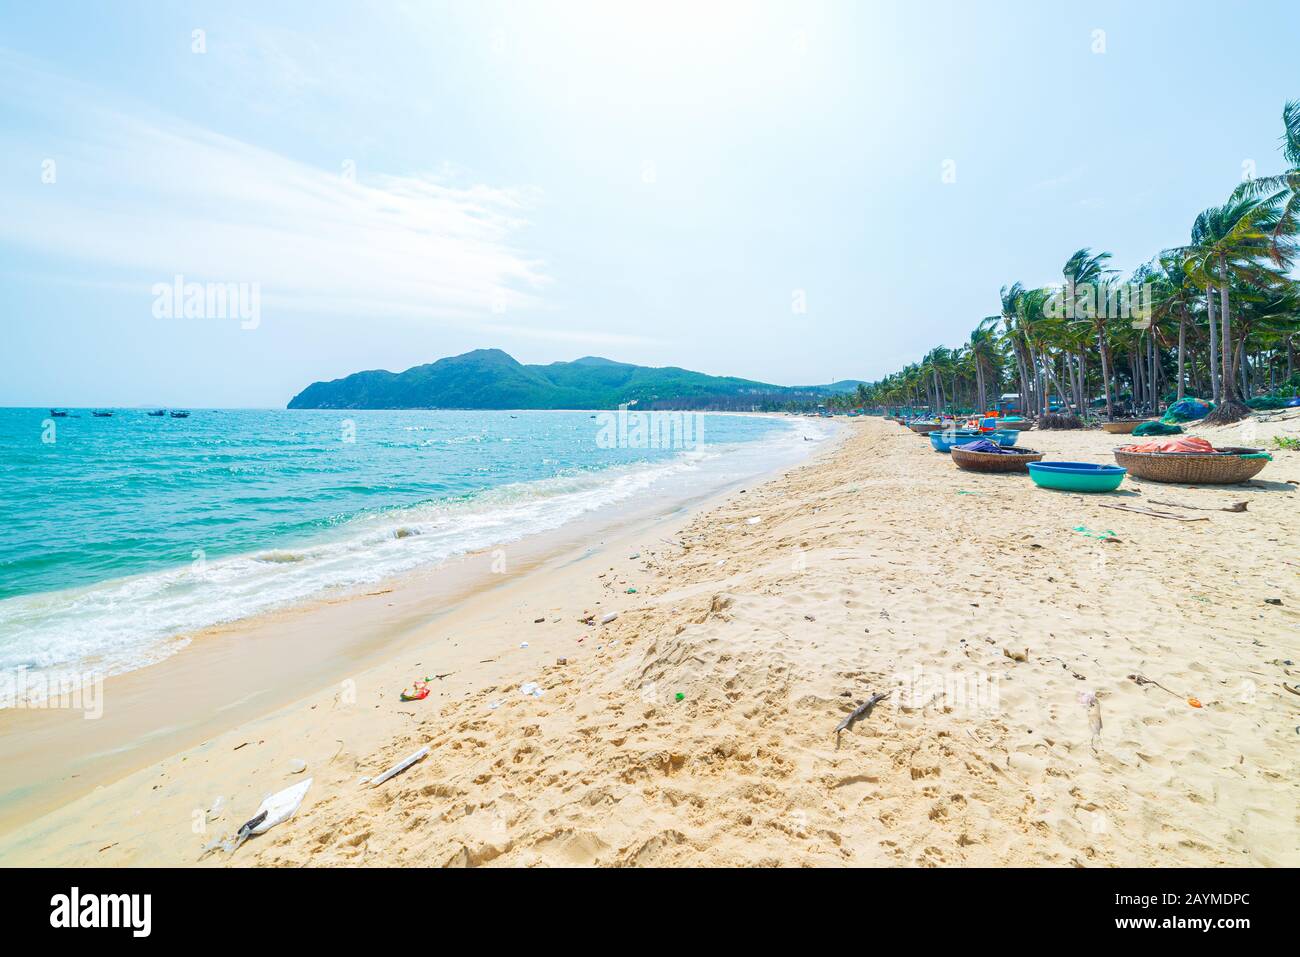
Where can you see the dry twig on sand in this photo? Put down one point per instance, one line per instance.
(1157, 513)
(858, 713)
(1234, 507)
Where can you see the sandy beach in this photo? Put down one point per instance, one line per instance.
(698, 727)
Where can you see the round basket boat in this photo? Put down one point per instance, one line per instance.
(944, 440)
(1076, 476)
(1122, 426)
(1224, 467)
(925, 428)
(1017, 461)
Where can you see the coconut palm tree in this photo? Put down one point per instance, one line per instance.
(1282, 191)
(1228, 244)
(1173, 297)
(1085, 276)
(1009, 300)
(983, 350)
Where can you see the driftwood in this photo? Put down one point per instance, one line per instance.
(1234, 507)
(858, 713)
(1157, 513)
(1141, 679)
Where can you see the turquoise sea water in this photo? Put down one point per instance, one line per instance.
(117, 534)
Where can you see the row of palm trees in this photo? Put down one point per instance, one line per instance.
(1217, 317)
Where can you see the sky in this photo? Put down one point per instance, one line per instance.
(794, 192)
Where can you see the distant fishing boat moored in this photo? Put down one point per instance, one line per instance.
(180, 415)
(58, 413)
(102, 415)
(158, 412)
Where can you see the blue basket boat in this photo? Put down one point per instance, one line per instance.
(944, 441)
(1077, 476)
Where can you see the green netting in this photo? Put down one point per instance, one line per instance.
(1185, 410)
(1157, 428)
(1266, 402)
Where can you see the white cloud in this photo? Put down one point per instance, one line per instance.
(149, 197)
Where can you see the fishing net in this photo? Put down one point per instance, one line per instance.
(1157, 428)
(1185, 410)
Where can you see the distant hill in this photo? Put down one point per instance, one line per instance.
(492, 379)
(843, 385)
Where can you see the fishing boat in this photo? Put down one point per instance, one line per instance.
(180, 415)
(157, 413)
(58, 414)
(944, 440)
(1223, 466)
(102, 415)
(1076, 476)
(987, 461)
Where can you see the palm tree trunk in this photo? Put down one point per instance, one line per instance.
(1024, 380)
(1182, 350)
(1228, 381)
(1135, 376)
(1083, 381)
(1056, 383)
(1105, 370)
(1153, 366)
(1214, 345)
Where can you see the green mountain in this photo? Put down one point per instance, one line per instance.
(491, 379)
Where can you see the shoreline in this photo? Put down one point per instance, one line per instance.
(771, 615)
(185, 698)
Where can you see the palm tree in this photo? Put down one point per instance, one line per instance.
(983, 351)
(1228, 243)
(1173, 297)
(1283, 190)
(1009, 300)
(1088, 272)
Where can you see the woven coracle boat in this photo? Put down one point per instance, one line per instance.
(1223, 467)
(1122, 426)
(1017, 461)
(925, 428)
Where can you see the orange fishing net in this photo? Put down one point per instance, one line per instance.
(1182, 444)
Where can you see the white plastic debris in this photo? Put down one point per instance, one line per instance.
(218, 805)
(281, 806)
(400, 766)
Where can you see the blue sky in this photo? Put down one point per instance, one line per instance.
(657, 183)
